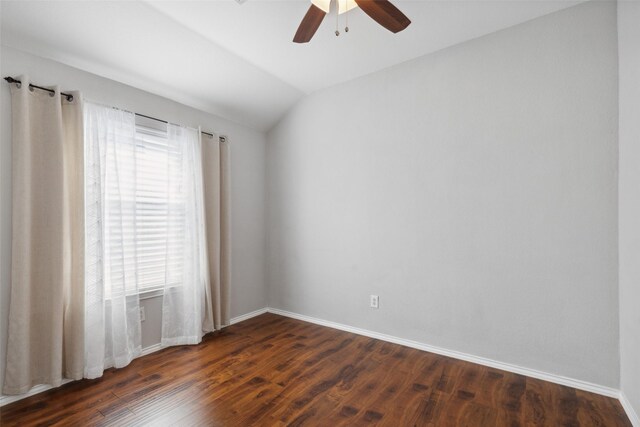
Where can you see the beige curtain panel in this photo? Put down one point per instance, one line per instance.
(45, 342)
(215, 173)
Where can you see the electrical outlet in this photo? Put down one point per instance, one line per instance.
(373, 301)
(142, 316)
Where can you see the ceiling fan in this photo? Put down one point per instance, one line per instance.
(381, 11)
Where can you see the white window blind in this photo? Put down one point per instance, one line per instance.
(153, 247)
(160, 210)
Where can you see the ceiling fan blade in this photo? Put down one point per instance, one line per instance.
(385, 14)
(309, 24)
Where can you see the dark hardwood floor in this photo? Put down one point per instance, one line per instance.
(271, 370)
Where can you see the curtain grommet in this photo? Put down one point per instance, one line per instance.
(18, 85)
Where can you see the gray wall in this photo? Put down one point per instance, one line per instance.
(248, 290)
(629, 193)
(473, 189)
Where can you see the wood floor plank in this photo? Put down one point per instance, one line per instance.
(276, 371)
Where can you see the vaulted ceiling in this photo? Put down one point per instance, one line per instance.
(237, 60)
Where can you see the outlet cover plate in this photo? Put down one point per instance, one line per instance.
(374, 301)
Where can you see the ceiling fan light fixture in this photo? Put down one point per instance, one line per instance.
(343, 5)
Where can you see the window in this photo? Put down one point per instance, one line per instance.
(159, 209)
(141, 193)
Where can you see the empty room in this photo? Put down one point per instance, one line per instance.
(320, 213)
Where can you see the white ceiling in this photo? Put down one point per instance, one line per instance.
(238, 61)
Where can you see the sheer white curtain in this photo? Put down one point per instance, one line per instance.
(186, 305)
(112, 312)
(146, 231)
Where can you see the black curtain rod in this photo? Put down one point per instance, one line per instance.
(67, 95)
(70, 98)
(222, 138)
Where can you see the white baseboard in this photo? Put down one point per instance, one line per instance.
(248, 316)
(631, 412)
(151, 349)
(558, 379)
